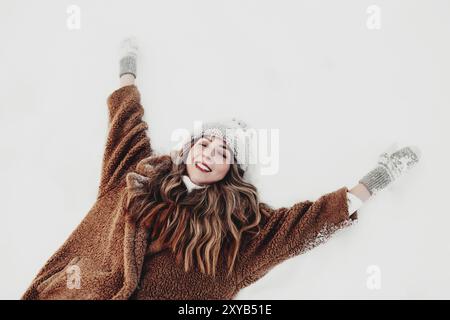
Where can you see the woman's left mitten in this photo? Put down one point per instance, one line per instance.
(390, 167)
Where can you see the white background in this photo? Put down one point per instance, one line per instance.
(339, 92)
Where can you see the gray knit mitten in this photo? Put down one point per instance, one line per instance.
(128, 52)
(390, 167)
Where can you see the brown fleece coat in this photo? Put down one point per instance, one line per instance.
(107, 252)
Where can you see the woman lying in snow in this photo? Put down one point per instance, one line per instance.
(188, 225)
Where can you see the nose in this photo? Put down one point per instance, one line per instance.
(208, 153)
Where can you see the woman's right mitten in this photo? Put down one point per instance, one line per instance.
(390, 167)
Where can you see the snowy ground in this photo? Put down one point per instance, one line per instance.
(340, 80)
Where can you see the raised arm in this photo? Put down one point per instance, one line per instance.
(127, 142)
(288, 232)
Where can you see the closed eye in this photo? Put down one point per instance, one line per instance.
(220, 152)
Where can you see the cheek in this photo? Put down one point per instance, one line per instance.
(222, 169)
(188, 169)
(196, 153)
(191, 156)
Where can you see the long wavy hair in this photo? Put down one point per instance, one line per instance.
(198, 226)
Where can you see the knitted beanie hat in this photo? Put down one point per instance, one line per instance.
(234, 132)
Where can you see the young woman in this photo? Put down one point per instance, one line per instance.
(188, 225)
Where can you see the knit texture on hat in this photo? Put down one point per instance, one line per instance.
(234, 132)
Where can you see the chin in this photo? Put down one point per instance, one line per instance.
(201, 181)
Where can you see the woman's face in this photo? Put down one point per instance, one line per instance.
(208, 160)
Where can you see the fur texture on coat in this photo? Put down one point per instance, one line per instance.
(103, 258)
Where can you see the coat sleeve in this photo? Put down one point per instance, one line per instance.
(288, 232)
(127, 142)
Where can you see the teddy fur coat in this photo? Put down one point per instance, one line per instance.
(104, 257)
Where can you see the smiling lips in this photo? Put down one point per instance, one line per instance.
(202, 167)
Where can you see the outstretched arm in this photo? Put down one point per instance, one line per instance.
(127, 141)
(288, 232)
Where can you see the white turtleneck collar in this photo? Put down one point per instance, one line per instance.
(189, 184)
